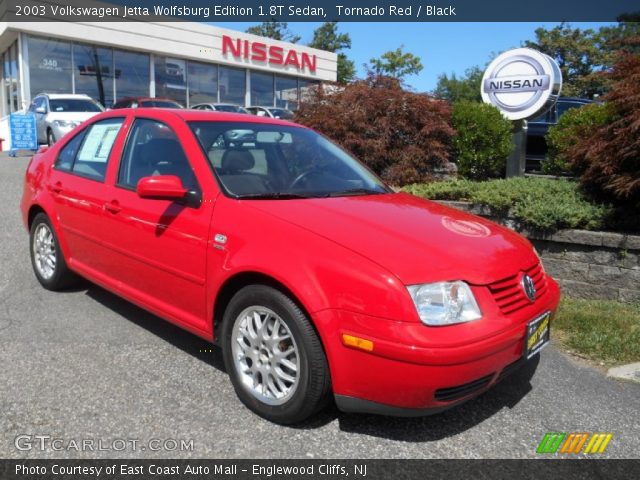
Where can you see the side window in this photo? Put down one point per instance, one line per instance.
(68, 153)
(93, 154)
(154, 149)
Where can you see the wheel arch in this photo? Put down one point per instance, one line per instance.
(34, 210)
(240, 280)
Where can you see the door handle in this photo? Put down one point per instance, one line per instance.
(113, 206)
(56, 187)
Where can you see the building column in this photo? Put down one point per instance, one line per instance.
(152, 75)
(23, 63)
(247, 93)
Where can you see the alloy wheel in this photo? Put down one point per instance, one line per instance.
(265, 355)
(44, 251)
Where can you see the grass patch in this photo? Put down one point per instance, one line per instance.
(537, 203)
(601, 330)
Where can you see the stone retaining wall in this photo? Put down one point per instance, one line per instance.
(586, 264)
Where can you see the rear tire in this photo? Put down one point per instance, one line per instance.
(47, 260)
(273, 356)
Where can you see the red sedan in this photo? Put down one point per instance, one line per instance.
(314, 277)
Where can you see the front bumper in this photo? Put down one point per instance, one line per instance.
(408, 373)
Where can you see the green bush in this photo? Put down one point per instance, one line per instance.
(536, 203)
(574, 125)
(482, 141)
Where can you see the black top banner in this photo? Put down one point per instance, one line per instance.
(317, 10)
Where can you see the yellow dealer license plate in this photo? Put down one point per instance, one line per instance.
(538, 332)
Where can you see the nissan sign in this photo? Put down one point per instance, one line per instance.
(522, 83)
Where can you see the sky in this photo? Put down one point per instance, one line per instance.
(449, 47)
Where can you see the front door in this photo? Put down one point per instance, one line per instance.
(161, 244)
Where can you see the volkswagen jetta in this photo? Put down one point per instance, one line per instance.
(315, 278)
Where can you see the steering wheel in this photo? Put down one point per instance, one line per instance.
(303, 176)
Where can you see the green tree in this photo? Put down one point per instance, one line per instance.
(396, 64)
(612, 39)
(326, 37)
(578, 55)
(482, 141)
(275, 30)
(456, 89)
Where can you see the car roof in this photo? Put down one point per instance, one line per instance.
(198, 115)
(267, 107)
(574, 99)
(145, 99)
(55, 96)
(219, 104)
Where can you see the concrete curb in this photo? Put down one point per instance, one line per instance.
(628, 373)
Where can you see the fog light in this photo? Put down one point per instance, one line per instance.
(357, 342)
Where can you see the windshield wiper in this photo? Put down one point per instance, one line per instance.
(356, 191)
(272, 196)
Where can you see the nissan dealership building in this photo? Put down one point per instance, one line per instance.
(188, 62)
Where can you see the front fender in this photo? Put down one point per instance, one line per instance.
(319, 272)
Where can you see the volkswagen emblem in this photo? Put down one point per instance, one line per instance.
(522, 83)
(529, 287)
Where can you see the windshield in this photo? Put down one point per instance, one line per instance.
(160, 104)
(74, 105)
(281, 113)
(274, 161)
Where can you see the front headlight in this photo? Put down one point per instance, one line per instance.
(65, 123)
(444, 303)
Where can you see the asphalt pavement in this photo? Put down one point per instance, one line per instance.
(84, 364)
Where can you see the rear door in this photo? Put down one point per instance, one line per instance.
(77, 184)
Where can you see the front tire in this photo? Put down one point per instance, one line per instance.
(51, 139)
(47, 260)
(273, 356)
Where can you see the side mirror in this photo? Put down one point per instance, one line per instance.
(161, 187)
(41, 110)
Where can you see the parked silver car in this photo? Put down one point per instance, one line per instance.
(58, 114)
(219, 107)
(272, 112)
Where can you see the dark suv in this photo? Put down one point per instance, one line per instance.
(539, 126)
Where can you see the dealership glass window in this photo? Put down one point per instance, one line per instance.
(49, 66)
(93, 72)
(262, 89)
(11, 80)
(132, 74)
(286, 92)
(232, 85)
(203, 83)
(171, 79)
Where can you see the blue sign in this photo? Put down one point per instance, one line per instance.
(23, 131)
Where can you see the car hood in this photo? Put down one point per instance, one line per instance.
(417, 240)
(71, 116)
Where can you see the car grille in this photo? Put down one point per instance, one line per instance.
(508, 292)
(454, 393)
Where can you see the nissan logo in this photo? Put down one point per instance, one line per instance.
(529, 287)
(522, 83)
